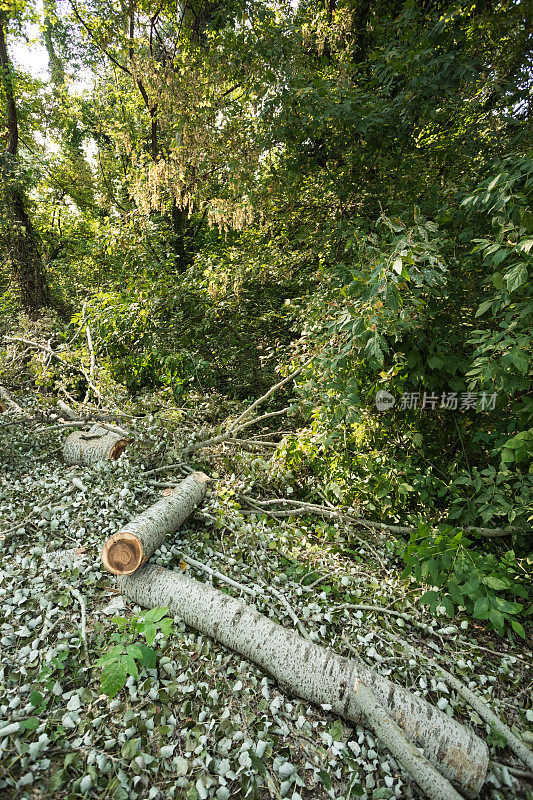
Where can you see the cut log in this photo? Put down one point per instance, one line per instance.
(125, 551)
(312, 672)
(97, 444)
(3, 407)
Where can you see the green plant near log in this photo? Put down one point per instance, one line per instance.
(129, 654)
(489, 588)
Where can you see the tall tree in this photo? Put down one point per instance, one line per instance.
(20, 240)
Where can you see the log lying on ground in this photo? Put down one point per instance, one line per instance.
(97, 444)
(3, 407)
(312, 672)
(125, 551)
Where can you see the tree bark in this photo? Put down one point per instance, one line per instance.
(17, 234)
(127, 550)
(97, 444)
(312, 672)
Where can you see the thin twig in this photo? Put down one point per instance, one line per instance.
(61, 360)
(218, 575)
(83, 608)
(165, 468)
(271, 391)
(290, 611)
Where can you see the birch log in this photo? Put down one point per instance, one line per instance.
(125, 551)
(97, 444)
(312, 672)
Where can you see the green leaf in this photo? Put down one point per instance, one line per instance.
(110, 655)
(130, 666)
(31, 723)
(429, 597)
(149, 632)
(495, 583)
(326, 780)
(483, 307)
(516, 277)
(166, 626)
(155, 614)
(355, 790)
(497, 619)
(257, 763)
(36, 698)
(130, 748)
(70, 758)
(337, 731)
(113, 678)
(520, 360)
(121, 622)
(455, 593)
(499, 256)
(481, 608)
(515, 625)
(433, 569)
(149, 656)
(57, 779)
(448, 605)
(134, 651)
(497, 281)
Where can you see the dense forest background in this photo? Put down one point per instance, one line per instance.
(220, 192)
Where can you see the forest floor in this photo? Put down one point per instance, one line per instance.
(205, 723)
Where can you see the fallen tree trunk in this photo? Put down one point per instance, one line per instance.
(97, 444)
(125, 551)
(312, 672)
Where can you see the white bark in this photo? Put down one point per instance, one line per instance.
(99, 419)
(125, 551)
(312, 672)
(432, 783)
(97, 444)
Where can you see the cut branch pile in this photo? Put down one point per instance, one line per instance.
(453, 758)
(453, 754)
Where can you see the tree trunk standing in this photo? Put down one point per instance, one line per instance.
(310, 671)
(179, 218)
(18, 237)
(57, 72)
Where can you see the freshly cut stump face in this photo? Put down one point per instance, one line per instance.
(118, 448)
(122, 553)
(3, 408)
(126, 550)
